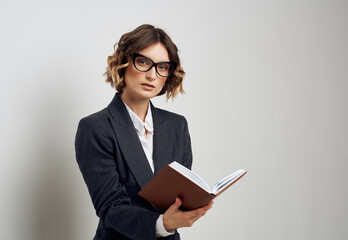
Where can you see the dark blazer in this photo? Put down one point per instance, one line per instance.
(115, 167)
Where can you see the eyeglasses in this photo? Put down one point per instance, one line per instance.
(144, 64)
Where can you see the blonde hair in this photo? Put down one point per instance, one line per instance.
(136, 40)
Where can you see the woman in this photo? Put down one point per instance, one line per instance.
(120, 148)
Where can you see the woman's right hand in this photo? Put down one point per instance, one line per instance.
(174, 218)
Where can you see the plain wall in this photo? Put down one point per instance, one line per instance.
(266, 90)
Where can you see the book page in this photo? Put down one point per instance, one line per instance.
(226, 181)
(190, 175)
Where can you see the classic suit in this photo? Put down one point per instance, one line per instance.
(115, 167)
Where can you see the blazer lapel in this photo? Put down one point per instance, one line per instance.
(129, 142)
(163, 139)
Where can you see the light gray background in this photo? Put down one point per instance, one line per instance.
(266, 90)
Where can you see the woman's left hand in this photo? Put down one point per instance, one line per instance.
(174, 218)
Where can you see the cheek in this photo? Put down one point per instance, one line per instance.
(132, 75)
(163, 80)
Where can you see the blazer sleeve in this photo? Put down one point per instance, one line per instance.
(187, 153)
(94, 146)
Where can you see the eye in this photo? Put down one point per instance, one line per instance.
(142, 61)
(163, 67)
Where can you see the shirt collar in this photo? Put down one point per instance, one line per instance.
(138, 123)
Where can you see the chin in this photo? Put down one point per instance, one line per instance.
(148, 95)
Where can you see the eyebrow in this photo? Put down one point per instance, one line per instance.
(153, 60)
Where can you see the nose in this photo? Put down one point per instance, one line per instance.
(151, 74)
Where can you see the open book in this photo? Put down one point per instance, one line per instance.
(175, 180)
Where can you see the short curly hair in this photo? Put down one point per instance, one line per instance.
(134, 41)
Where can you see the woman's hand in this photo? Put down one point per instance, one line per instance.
(174, 218)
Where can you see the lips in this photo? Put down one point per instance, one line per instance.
(148, 85)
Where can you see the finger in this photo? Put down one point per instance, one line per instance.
(177, 204)
(203, 209)
(209, 206)
(197, 213)
(196, 217)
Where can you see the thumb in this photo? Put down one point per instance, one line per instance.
(177, 204)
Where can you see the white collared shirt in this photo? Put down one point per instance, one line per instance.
(140, 126)
(147, 144)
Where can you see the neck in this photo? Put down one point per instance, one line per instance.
(139, 107)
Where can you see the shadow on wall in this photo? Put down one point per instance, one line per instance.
(53, 196)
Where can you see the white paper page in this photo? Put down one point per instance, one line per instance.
(226, 181)
(190, 175)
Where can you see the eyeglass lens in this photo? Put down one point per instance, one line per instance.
(144, 64)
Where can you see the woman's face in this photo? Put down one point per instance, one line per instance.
(146, 85)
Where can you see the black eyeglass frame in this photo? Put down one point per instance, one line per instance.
(135, 55)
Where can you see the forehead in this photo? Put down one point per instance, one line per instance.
(157, 52)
